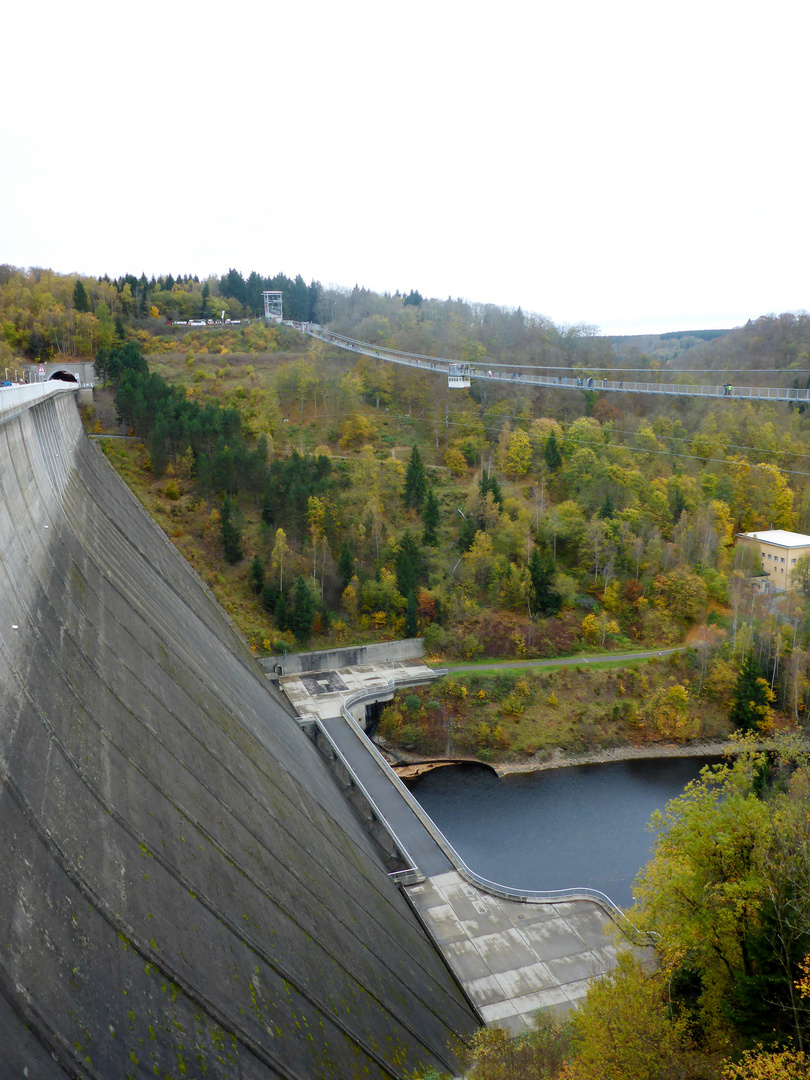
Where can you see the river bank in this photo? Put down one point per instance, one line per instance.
(559, 760)
(408, 765)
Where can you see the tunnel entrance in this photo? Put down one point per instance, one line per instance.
(63, 376)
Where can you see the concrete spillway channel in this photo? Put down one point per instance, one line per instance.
(184, 890)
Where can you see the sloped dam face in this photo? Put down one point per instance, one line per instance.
(183, 890)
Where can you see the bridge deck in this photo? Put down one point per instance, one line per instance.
(500, 373)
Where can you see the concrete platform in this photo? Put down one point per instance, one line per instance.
(322, 693)
(514, 958)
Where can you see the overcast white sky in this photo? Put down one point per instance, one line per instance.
(640, 166)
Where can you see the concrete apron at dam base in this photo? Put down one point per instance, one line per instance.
(512, 954)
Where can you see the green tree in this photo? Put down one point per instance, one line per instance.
(302, 614)
(231, 532)
(156, 441)
(408, 563)
(269, 596)
(411, 625)
(80, 302)
(551, 452)
(413, 493)
(106, 327)
(281, 611)
(751, 698)
(800, 575)
(544, 599)
(256, 575)
(488, 485)
(430, 519)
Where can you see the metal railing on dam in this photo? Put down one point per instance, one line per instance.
(516, 375)
(406, 841)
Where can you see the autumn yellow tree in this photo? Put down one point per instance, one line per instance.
(624, 1030)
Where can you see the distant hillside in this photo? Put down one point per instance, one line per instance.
(780, 342)
(774, 346)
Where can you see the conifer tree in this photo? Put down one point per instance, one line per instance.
(256, 575)
(408, 564)
(551, 452)
(302, 615)
(547, 601)
(751, 697)
(489, 485)
(80, 302)
(411, 626)
(415, 481)
(269, 596)
(280, 611)
(430, 519)
(231, 533)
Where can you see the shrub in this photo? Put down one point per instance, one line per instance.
(511, 706)
(409, 736)
(435, 638)
(471, 647)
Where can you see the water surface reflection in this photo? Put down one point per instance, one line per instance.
(585, 825)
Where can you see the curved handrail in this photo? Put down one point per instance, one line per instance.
(549, 896)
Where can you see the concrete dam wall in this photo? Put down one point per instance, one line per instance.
(184, 892)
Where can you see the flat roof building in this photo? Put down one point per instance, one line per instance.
(780, 551)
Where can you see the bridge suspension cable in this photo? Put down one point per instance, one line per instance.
(504, 373)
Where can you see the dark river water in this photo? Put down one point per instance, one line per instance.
(585, 825)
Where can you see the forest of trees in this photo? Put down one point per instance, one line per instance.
(329, 498)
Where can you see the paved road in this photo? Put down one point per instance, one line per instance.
(566, 661)
(421, 846)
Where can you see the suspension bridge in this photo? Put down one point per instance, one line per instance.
(460, 374)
